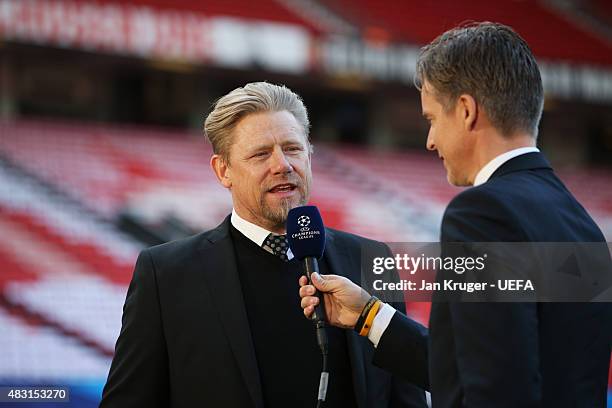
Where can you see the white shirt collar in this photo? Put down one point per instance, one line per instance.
(487, 171)
(252, 231)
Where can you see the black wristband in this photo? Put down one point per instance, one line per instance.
(364, 314)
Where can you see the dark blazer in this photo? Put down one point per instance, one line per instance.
(185, 339)
(509, 354)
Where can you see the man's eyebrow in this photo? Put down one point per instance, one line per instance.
(258, 147)
(292, 143)
(269, 145)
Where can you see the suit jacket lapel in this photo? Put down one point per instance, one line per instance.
(221, 274)
(339, 259)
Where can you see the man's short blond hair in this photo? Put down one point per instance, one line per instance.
(252, 98)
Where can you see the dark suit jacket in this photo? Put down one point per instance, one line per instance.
(509, 354)
(185, 339)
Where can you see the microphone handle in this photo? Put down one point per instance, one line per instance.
(310, 266)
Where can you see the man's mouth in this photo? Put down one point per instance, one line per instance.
(283, 188)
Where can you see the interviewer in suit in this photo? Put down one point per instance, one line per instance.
(213, 320)
(482, 95)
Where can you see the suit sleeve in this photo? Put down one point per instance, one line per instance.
(496, 344)
(402, 349)
(138, 375)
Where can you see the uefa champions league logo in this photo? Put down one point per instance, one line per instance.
(303, 221)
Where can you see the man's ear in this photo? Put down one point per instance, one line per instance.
(222, 170)
(468, 111)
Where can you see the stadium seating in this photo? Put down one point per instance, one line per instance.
(152, 172)
(38, 353)
(550, 35)
(416, 177)
(265, 10)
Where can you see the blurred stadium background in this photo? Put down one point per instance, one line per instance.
(101, 152)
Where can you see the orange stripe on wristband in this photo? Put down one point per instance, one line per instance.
(370, 319)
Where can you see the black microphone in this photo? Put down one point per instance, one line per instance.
(306, 237)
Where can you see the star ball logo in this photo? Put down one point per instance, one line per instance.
(303, 221)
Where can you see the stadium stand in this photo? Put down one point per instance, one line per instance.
(35, 352)
(152, 172)
(550, 35)
(112, 170)
(62, 268)
(268, 10)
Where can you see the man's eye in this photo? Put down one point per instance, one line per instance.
(260, 154)
(294, 149)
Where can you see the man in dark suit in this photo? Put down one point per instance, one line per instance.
(482, 94)
(213, 320)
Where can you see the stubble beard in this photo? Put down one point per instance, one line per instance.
(276, 216)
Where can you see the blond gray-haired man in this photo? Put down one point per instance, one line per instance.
(214, 320)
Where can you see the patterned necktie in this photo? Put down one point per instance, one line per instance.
(277, 245)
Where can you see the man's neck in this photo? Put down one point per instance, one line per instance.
(497, 145)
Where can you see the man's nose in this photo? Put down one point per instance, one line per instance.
(430, 142)
(280, 164)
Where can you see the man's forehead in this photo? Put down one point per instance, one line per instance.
(427, 89)
(268, 122)
(263, 129)
(426, 99)
(430, 99)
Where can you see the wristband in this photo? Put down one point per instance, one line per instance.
(371, 315)
(364, 314)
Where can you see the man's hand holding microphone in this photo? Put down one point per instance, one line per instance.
(344, 300)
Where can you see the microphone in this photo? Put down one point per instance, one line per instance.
(306, 237)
